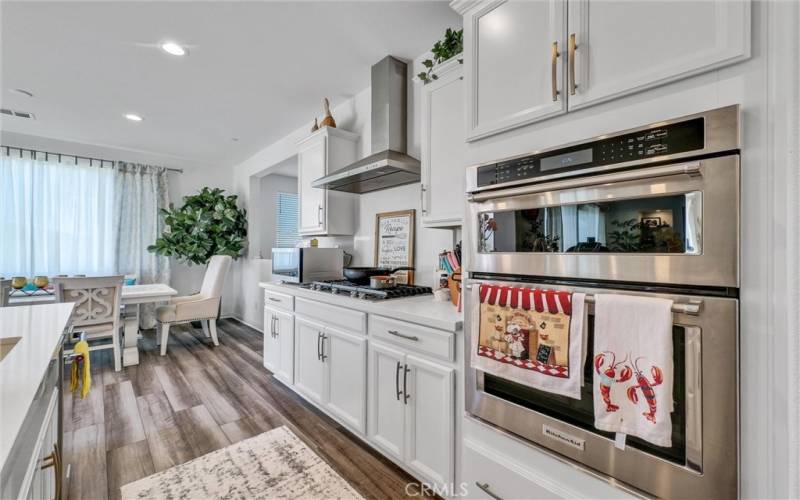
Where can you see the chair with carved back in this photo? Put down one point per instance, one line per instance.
(96, 311)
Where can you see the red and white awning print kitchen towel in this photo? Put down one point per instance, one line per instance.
(633, 366)
(531, 336)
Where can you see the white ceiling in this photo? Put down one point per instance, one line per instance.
(255, 70)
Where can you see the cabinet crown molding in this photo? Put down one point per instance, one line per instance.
(462, 6)
(330, 132)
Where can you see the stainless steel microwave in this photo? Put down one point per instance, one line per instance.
(304, 265)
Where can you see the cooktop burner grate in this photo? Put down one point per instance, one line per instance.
(345, 287)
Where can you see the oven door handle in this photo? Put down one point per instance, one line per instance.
(691, 169)
(692, 308)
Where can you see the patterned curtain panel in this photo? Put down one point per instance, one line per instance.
(141, 192)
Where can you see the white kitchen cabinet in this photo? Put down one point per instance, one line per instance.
(430, 416)
(625, 47)
(309, 374)
(489, 475)
(411, 407)
(279, 344)
(528, 61)
(324, 212)
(47, 461)
(346, 362)
(272, 346)
(443, 147)
(330, 370)
(386, 407)
(284, 328)
(514, 64)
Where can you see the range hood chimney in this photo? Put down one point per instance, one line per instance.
(388, 165)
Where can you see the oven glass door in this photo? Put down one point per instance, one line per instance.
(653, 224)
(670, 224)
(703, 457)
(580, 413)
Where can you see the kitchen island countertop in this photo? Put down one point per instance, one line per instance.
(421, 309)
(40, 328)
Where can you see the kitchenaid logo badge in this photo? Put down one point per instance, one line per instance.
(563, 437)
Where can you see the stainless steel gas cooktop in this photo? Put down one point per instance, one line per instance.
(344, 287)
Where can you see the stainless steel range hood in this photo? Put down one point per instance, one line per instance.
(388, 165)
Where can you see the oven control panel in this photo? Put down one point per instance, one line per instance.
(648, 143)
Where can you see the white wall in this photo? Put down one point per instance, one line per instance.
(352, 115)
(267, 215)
(184, 278)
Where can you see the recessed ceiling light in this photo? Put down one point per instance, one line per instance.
(134, 118)
(22, 92)
(173, 48)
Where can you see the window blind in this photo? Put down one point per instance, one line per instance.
(286, 235)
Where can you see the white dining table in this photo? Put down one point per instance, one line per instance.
(132, 297)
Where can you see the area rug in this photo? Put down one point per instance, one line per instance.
(275, 464)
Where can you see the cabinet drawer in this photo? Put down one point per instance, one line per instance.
(348, 319)
(435, 343)
(489, 475)
(279, 300)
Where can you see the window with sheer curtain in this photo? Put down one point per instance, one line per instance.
(57, 218)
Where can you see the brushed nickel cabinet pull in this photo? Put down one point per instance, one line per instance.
(488, 491)
(554, 71)
(405, 384)
(397, 381)
(323, 357)
(319, 215)
(273, 299)
(403, 336)
(573, 46)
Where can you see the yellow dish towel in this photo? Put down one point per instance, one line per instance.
(81, 348)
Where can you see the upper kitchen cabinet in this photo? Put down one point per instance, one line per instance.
(443, 148)
(617, 48)
(324, 212)
(513, 64)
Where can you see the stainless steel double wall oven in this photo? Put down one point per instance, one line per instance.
(651, 211)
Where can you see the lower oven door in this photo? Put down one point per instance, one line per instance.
(703, 460)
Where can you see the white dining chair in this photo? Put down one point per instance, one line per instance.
(96, 311)
(202, 306)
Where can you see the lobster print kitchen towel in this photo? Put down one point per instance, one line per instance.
(633, 366)
(530, 336)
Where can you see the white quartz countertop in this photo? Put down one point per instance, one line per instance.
(421, 309)
(22, 370)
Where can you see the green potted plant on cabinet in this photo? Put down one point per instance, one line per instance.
(448, 47)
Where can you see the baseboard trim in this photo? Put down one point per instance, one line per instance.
(240, 320)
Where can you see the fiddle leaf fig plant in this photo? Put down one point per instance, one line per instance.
(450, 46)
(209, 223)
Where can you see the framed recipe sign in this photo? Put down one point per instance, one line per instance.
(394, 242)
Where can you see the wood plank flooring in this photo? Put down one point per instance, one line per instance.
(197, 399)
